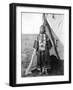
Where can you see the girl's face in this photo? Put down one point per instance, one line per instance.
(42, 30)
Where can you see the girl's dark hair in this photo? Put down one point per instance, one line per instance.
(42, 29)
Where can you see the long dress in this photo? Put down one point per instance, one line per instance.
(43, 56)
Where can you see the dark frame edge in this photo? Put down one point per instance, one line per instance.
(41, 5)
(70, 44)
(12, 45)
(43, 83)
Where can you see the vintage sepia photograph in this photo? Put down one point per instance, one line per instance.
(42, 44)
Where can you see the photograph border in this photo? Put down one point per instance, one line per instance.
(12, 41)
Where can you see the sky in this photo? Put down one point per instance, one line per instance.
(31, 23)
